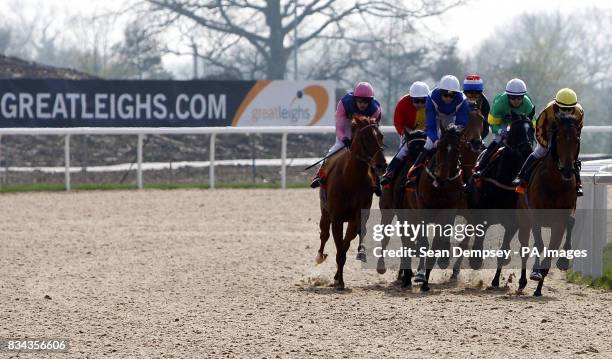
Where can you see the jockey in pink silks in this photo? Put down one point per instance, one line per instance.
(359, 102)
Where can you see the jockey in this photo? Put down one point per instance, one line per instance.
(514, 99)
(473, 89)
(566, 102)
(409, 116)
(360, 102)
(445, 105)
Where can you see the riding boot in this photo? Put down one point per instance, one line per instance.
(388, 177)
(415, 170)
(484, 162)
(579, 192)
(377, 187)
(521, 180)
(319, 179)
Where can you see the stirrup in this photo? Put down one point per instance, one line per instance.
(316, 182)
(579, 192)
(386, 179)
(521, 188)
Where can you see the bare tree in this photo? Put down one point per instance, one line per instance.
(269, 26)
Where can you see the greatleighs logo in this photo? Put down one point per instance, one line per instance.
(321, 99)
(276, 103)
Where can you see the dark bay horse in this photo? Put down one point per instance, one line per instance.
(440, 186)
(552, 186)
(349, 189)
(392, 202)
(494, 190)
(471, 144)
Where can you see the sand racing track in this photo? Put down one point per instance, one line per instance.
(230, 273)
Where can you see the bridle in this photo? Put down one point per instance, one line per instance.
(436, 180)
(368, 157)
(574, 169)
(515, 148)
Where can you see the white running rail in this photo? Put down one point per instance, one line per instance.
(140, 132)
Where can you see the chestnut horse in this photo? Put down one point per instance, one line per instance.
(349, 190)
(440, 186)
(552, 186)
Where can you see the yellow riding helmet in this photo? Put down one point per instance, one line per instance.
(566, 97)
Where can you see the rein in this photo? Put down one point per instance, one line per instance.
(552, 149)
(435, 179)
(368, 158)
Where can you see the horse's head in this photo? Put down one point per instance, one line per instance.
(447, 154)
(520, 135)
(473, 130)
(415, 141)
(565, 145)
(367, 144)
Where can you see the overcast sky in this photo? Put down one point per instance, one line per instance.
(470, 24)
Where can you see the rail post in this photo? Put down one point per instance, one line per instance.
(139, 159)
(211, 161)
(1, 160)
(67, 162)
(284, 161)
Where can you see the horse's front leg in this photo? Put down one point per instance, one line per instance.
(524, 240)
(324, 225)
(386, 218)
(340, 254)
(538, 243)
(563, 262)
(361, 250)
(556, 234)
(510, 230)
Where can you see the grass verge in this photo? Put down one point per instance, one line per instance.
(41, 187)
(605, 281)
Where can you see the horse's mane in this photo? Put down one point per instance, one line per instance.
(453, 130)
(412, 135)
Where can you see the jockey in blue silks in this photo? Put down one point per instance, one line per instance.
(445, 105)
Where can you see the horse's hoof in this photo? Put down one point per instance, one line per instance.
(563, 263)
(320, 258)
(443, 262)
(455, 275)
(537, 293)
(475, 262)
(419, 277)
(380, 268)
(537, 276)
(522, 284)
(495, 284)
(424, 288)
(406, 283)
(338, 285)
(361, 256)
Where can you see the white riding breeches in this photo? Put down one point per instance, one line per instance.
(338, 145)
(403, 151)
(540, 151)
(430, 145)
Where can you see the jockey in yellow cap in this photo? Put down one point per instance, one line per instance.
(565, 102)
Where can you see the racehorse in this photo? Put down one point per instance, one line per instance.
(392, 199)
(349, 189)
(552, 186)
(494, 190)
(440, 186)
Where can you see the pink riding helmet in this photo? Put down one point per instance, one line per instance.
(364, 89)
